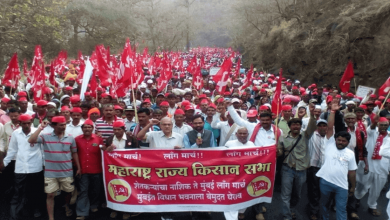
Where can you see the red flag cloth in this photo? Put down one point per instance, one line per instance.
(385, 88)
(93, 83)
(39, 85)
(345, 81)
(277, 100)
(222, 76)
(165, 76)
(26, 72)
(52, 79)
(12, 73)
(197, 79)
(127, 65)
(35, 67)
(103, 68)
(238, 67)
(248, 80)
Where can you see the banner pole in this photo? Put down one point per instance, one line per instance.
(354, 80)
(384, 101)
(134, 101)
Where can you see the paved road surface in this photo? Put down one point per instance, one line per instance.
(273, 212)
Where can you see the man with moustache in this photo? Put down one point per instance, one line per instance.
(338, 172)
(199, 137)
(28, 180)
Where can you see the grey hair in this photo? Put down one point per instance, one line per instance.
(166, 118)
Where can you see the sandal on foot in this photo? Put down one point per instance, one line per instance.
(353, 216)
(374, 212)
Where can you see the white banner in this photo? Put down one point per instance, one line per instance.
(362, 91)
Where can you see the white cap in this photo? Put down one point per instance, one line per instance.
(52, 104)
(207, 91)
(297, 81)
(350, 103)
(236, 83)
(318, 107)
(142, 86)
(235, 100)
(261, 75)
(149, 81)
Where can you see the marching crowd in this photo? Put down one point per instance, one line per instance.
(337, 143)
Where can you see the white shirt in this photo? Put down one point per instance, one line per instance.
(225, 128)
(317, 150)
(128, 124)
(171, 111)
(236, 143)
(120, 144)
(182, 130)
(352, 142)
(157, 139)
(28, 157)
(337, 164)
(381, 166)
(263, 137)
(74, 130)
(29, 112)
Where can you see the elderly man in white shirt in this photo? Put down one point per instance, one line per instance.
(180, 127)
(242, 141)
(164, 139)
(28, 169)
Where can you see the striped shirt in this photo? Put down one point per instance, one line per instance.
(58, 154)
(105, 128)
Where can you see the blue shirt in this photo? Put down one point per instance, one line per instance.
(216, 132)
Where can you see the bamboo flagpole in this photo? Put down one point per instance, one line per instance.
(384, 101)
(134, 101)
(354, 80)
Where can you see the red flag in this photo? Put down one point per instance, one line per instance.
(192, 65)
(238, 67)
(127, 64)
(222, 76)
(385, 88)
(39, 85)
(93, 83)
(248, 80)
(35, 67)
(345, 81)
(52, 79)
(165, 76)
(103, 68)
(277, 100)
(12, 73)
(197, 79)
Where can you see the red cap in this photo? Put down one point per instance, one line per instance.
(75, 99)
(189, 107)
(295, 87)
(25, 117)
(22, 99)
(47, 90)
(41, 103)
(329, 99)
(373, 96)
(68, 88)
(383, 119)
(22, 94)
(87, 93)
(369, 103)
(58, 119)
(363, 107)
(203, 96)
(88, 122)
(179, 111)
(76, 110)
(377, 102)
(381, 98)
(264, 86)
(252, 113)
(286, 108)
(350, 95)
(117, 107)
(338, 96)
(65, 108)
(204, 101)
(313, 85)
(164, 103)
(212, 105)
(226, 93)
(263, 107)
(147, 101)
(388, 100)
(220, 99)
(314, 93)
(5, 100)
(185, 103)
(100, 89)
(118, 124)
(301, 89)
(287, 100)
